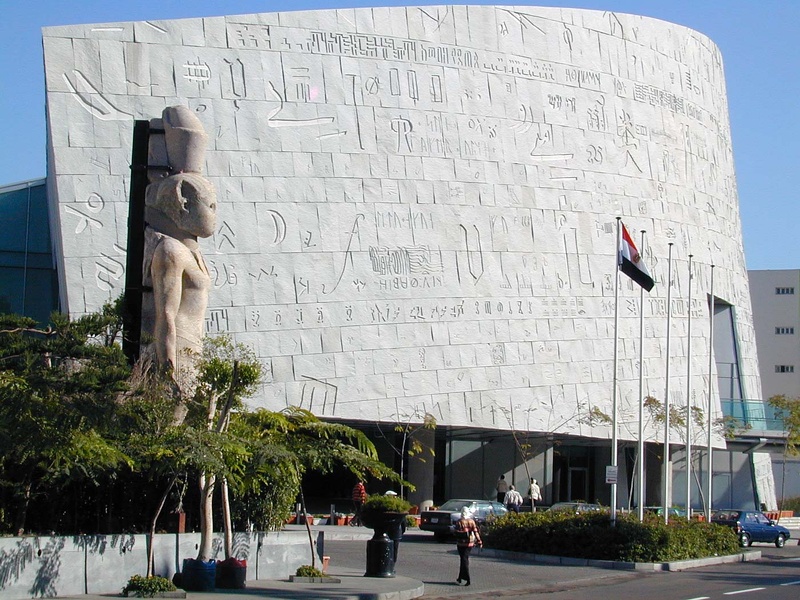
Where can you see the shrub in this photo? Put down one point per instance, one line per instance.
(411, 521)
(147, 587)
(308, 571)
(792, 504)
(383, 503)
(591, 535)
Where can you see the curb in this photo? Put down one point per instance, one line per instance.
(678, 565)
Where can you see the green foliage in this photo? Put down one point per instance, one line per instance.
(58, 399)
(591, 535)
(74, 416)
(788, 409)
(411, 521)
(284, 445)
(383, 503)
(308, 571)
(407, 430)
(147, 587)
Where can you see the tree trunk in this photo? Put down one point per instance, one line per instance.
(226, 518)
(222, 425)
(308, 528)
(207, 482)
(151, 537)
(22, 510)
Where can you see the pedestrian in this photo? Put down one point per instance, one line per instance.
(359, 496)
(513, 499)
(468, 536)
(502, 488)
(534, 493)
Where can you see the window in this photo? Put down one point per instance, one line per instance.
(784, 368)
(782, 291)
(784, 331)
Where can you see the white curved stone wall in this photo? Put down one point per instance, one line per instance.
(417, 205)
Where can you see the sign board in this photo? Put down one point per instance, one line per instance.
(611, 475)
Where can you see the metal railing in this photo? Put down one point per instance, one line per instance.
(754, 414)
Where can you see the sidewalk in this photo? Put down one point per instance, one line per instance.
(352, 587)
(422, 559)
(352, 584)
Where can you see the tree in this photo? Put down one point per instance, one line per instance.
(231, 372)
(248, 452)
(787, 410)
(406, 426)
(58, 396)
(296, 441)
(528, 447)
(678, 418)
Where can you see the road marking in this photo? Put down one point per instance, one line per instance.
(701, 598)
(791, 583)
(743, 591)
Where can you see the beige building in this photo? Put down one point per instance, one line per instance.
(775, 295)
(776, 318)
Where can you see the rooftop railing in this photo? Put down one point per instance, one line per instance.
(754, 414)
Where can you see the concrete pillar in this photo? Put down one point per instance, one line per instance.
(420, 469)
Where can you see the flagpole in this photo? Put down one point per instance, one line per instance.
(666, 483)
(614, 378)
(689, 401)
(640, 449)
(709, 483)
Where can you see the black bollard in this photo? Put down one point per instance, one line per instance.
(380, 556)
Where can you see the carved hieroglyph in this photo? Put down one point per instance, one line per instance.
(417, 204)
(180, 207)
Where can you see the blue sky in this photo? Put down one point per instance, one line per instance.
(758, 41)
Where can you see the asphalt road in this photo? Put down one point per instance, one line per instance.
(775, 577)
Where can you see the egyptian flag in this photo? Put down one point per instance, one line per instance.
(630, 261)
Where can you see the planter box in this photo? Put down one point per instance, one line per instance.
(296, 579)
(198, 575)
(231, 574)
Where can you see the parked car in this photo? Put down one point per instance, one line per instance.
(576, 507)
(441, 521)
(674, 511)
(752, 526)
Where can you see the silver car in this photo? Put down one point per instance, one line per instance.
(441, 521)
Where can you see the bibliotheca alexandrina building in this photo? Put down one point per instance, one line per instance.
(417, 220)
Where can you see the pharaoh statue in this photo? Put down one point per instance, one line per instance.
(180, 207)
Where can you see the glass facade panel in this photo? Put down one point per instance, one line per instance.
(28, 282)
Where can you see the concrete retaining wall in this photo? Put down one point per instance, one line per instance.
(102, 564)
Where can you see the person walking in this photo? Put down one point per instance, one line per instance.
(513, 499)
(502, 488)
(535, 494)
(359, 496)
(468, 536)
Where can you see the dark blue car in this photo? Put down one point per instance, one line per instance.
(752, 526)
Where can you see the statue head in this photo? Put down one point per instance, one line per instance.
(189, 201)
